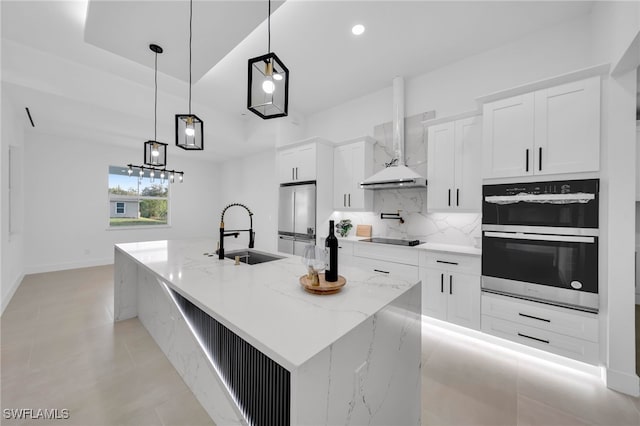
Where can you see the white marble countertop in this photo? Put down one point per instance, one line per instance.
(447, 248)
(264, 303)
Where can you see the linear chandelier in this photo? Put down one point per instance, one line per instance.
(163, 173)
(189, 128)
(268, 85)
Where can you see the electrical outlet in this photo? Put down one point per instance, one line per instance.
(358, 377)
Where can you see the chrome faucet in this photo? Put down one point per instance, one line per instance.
(235, 232)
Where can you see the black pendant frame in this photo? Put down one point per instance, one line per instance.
(158, 161)
(258, 101)
(182, 140)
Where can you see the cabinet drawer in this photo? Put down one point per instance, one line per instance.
(450, 262)
(567, 322)
(560, 344)
(404, 272)
(408, 256)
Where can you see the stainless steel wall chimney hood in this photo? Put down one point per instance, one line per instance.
(396, 175)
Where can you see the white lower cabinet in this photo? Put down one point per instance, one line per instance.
(451, 288)
(392, 269)
(345, 253)
(394, 261)
(562, 331)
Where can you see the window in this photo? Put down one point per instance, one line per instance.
(135, 200)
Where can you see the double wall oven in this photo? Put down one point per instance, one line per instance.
(540, 242)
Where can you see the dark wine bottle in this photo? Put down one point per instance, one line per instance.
(331, 243)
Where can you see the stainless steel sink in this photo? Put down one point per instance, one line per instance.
(252, 257)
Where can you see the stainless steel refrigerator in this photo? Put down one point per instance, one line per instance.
(296, 217)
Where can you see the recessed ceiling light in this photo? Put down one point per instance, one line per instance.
(357, 29)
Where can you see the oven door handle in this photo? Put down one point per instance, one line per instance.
(539, 237)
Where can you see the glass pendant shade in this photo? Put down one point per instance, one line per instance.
(189, 132)
(268, 89)
(155, 153)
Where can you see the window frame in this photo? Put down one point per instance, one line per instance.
(137, 198)
(124, 207)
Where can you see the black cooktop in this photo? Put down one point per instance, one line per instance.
(396, 242)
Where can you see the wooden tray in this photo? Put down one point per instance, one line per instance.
(324, 287)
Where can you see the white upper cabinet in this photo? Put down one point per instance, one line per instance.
(567, 128)
(453, 173)
(297, 164)
(549, 131)
(352, 163)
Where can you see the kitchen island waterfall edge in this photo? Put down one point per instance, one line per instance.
(255, 348)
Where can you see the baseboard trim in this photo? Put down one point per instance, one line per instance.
(38, 269)
(623, 382)
(7, 298)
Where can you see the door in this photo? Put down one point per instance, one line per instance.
(440, 166)
(468, 179)
(285, 244)
(356, 195)
(341, 176)
(304, 210)
(508, 134)
(558, 262)
(286, 210)
(434, 301)
(463, 299)
(286, 165)
(567, 128)
(305, 166)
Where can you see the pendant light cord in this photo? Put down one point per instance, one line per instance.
(155, 102)
(269, 29)
(190, 37)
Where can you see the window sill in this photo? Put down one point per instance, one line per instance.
(128, 228)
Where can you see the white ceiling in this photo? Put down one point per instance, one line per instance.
(125, 28)
(51, 61)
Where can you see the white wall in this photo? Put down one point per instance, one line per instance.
(251, 181)
(12, 263)
(615, 25)
(67, 208)
(452, 89)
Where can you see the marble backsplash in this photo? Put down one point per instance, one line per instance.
(446, 228)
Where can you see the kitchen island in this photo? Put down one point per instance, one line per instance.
(255, 348)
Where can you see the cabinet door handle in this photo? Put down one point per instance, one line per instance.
(447, 262)
(293, 174)
(441, 283)
(457, 196)
(540, 158)
(526, 160)
(296, 173)
(378, 270)
(450, 284)
(533, 338)
(532, 317)
(449, 198)
(344, 200)
(349, 198)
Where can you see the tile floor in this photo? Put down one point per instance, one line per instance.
(60, 349)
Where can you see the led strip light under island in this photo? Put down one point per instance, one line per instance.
(255, 348)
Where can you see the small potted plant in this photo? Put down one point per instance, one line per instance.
(343, 227)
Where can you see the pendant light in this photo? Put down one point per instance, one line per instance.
(189, 128)
(268, 88)
(155, 153)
